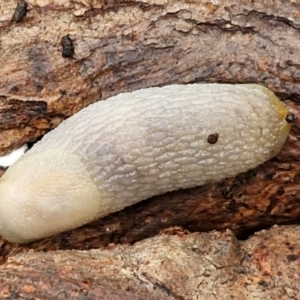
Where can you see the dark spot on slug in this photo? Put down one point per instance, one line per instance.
(290, 118)
(68, 47)
(20, 12)
(213, 138)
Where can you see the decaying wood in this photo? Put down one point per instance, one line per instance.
(126, 45)
(207, 266)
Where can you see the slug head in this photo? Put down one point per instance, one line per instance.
(285, 118)
(45, 193)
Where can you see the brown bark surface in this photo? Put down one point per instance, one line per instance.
(126, 45)
(210, 266)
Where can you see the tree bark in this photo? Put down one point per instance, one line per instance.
(127, 45)
(211, 266)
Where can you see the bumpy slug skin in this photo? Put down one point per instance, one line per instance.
(130, 147)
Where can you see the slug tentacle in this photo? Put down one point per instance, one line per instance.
(135, 145)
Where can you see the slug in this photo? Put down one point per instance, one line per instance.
(135, 145)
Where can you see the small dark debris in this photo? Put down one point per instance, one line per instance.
(232, 206)
(263, 283)
(280, 191)
(213, 138)
(291, 257)
(269, 176)
(289, 246)
(290, 118)
(14, 89)
(68, 47)
(63, 92)
(20, 12)
(39, 87)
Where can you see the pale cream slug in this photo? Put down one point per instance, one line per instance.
(132, 146)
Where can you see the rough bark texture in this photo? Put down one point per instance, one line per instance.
(207, 266)
(126, 45)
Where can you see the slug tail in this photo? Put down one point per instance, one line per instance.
(60, 197)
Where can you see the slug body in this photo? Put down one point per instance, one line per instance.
(135, 145)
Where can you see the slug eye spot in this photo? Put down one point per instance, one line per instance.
(20, 12)
(212, 138)
(290, 118)
(68, 47)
